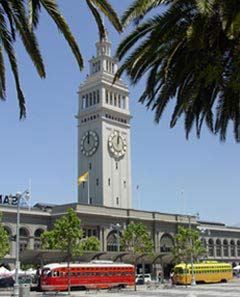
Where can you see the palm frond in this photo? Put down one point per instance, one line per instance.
(98, 19)
(109, 12)
(52, 9)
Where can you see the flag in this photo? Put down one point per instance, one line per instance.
(83, 178)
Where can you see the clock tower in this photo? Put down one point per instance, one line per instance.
(104, 134)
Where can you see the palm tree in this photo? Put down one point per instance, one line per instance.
(189, 51)
(21, 17)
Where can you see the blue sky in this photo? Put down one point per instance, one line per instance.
(174, 175)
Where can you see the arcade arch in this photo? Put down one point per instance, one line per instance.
(37, 238)
(166, 243)
(113, 240)
(23, 238)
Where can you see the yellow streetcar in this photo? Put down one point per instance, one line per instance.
(204, 272)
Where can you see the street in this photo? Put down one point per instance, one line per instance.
(231, 289)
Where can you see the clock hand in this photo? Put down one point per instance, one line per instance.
(88, 137)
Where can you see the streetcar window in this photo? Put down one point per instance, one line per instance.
(46, 272)
(55, 273)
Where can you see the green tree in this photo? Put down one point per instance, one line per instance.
(65, 236)
(4, 240)
(22, 17)
(188, 50)
(186, 244)
(91, 243)
(136, 240)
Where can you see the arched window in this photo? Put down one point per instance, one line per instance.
(218, 248)
(8, 230)
(113, 240)
(37, 240)
(232, 248)
(225, 248)
(210, 248)
(24, 239)
(166, 243)
(238, 248)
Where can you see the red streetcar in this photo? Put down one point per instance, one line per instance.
(93, 275)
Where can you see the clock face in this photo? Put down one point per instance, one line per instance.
(89, 143)
(117, 144)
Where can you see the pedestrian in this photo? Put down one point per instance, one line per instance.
(172, 278)
(160, 277)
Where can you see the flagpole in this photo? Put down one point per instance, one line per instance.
(88, 189)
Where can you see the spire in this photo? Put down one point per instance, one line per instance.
(104, 46)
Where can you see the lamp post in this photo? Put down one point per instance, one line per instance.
(193, 282)
(117, 227)
(203, 232)
(19, 196)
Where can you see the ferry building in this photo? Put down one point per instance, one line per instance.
(105, 202)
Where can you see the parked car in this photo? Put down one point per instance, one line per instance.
(139, 278)
(6, 282)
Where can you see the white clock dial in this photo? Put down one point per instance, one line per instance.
(89, 143)
(117, 144)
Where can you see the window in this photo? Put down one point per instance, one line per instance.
(210, 247)
(83, 185)
(90, 200)
(109, 182)
(225, 248)
(111, 98)
(238, 248)
(90, 166)
(83, 102)
(97, 181)
(107, 97)
(119, 100)
(116, 165)
(117, 201)
(232, 248)
(218, 248)
(124, 184)
(55, 273)
(98, 96)
(94, 97)
(123, 102)
(90, 104)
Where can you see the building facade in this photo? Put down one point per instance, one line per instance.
(222, 242)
